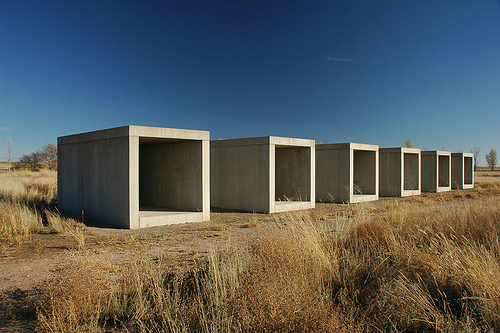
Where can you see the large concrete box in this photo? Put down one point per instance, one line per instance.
(135, 176)
(347, 172)
(436, 171)
(399, 172)
(462, 170)
(265, 174)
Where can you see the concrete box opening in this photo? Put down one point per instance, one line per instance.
(292, 173)
(364, 168)
(411, 172)
(468, 170)
(443, 171)
(170, 176)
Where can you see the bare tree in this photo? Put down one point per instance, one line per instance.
(9, 151)
(491, 159)
(31, 161)
(408, 143)
(49, 155)
(475, 151)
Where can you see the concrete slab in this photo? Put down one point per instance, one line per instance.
(265, 174)
(462, 170)
(135, 176)
(347, 172)
(436, 171)
(400, 174)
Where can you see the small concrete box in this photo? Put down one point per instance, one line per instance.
(135, 176)
(462, 170)
(265, 174)
(347, 172)
(436, 171)
(399, 172)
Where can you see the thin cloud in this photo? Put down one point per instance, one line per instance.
(5, 129)
(337, 59)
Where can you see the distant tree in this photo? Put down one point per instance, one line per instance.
(46, 157)
(31, 161)
(49, 155)
(475, 151)
(9, 152)
(491, 159)
(408, 144)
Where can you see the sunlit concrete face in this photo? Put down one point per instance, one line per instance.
(135, 176)
(347, 172)
(436, 171)
(266, 174)
(399, 171)
(462, 170)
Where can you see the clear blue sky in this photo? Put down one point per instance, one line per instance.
(377, 72)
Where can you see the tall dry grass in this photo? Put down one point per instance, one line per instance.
(399, 266)
(27, 201)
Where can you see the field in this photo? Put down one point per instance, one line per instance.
(428, 263)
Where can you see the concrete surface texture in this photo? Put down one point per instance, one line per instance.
(135, 176)
(436, 171)
(347, 172)
(399, 172)
(265, 174)
(462, 170)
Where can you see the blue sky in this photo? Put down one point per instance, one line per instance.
(377, 72)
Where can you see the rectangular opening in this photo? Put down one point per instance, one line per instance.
(292, 173)
(411, 172)
(468, 170)
(364, 172)
(444, 171)
(170, 176)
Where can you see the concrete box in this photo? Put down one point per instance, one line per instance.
(436, 171)
(266, 174)
(135, 176)
(399, 172)
(347, 172)
(462, 170)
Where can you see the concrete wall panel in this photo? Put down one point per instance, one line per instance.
(240, 177)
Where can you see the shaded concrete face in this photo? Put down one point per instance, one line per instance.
(93, 180)
(346, 172)
(411, 172)
(293, 174)
(170, 176)
(444, 171)
(240, 177)
(364, 169)
(462, 170)
(399, 171)
(109, 174)
(436, 171)
(258, 174)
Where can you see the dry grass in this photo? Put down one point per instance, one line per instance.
(27, 198)
(17, 223)
(429, 263)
